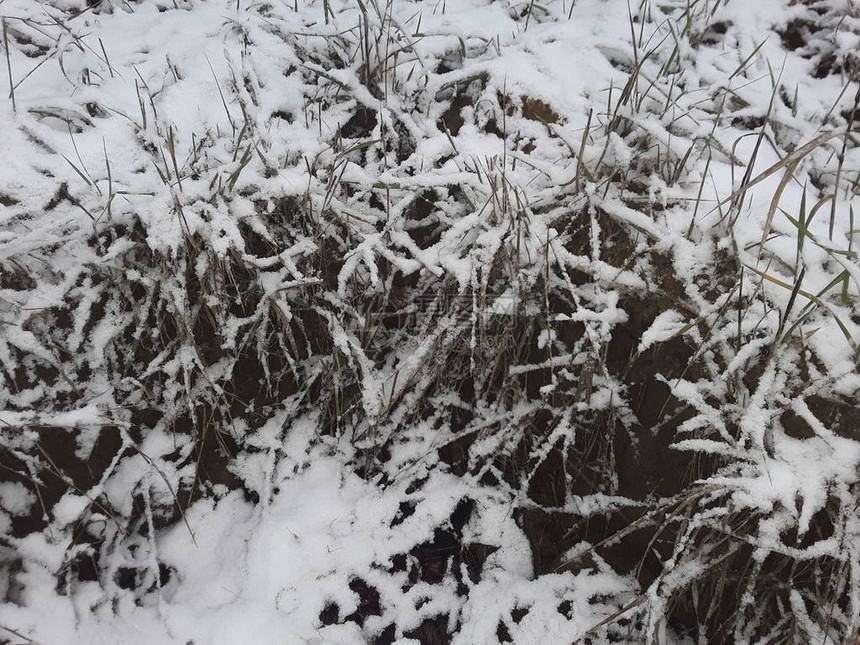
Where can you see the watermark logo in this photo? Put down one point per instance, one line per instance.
(467, 321)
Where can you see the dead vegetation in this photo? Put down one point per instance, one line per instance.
(584, 324)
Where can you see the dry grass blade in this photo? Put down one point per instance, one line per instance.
(636, 602)
(788, 164)
(781, 283)
(9, 66)
(580, 161)
(149, 461)
(774, 203)
(17, 634)
(841, 161)
(679, 504)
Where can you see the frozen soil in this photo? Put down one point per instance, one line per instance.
(472, 322)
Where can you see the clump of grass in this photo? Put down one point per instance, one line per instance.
(542, 328)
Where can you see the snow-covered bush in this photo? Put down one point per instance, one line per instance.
(461, 322)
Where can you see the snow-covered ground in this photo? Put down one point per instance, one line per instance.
(467, 321)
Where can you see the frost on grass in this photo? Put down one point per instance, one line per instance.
(464, 322)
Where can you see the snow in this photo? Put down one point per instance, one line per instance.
(267, 573)
(148, 137)
(665, 326)
(15, 498)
